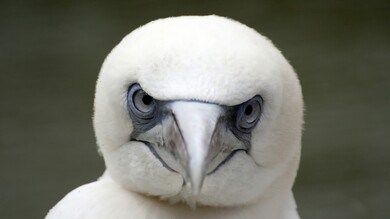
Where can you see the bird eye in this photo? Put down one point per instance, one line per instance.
(140, 103)
(248, 114)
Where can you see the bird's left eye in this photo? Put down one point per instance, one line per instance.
(248, 114)
(140, 103)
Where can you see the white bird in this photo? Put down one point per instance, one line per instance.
(196, 117)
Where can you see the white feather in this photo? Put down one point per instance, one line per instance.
(106, 199)
(206, 58)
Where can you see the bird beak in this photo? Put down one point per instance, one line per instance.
(191, 134)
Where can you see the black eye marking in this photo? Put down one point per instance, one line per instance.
(248, 114)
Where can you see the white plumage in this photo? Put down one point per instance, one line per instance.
(199, 70)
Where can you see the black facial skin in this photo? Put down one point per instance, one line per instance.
(146, 112)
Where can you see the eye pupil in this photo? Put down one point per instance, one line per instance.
(248, 110)
(147, 100)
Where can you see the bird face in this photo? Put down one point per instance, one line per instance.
(199, 109)
(189, 137)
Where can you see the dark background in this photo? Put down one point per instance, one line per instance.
(51, 52)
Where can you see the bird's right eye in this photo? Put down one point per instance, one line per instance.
(141, 104)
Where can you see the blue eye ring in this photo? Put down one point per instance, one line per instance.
(249, 113)
(140, 104)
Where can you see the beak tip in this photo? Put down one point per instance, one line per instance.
(195, 191)
(196, 180)
(195, 188)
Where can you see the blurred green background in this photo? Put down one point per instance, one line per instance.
(51, 52)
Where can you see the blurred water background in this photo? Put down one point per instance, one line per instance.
(51, 52)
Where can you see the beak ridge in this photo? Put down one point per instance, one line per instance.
(190, 138)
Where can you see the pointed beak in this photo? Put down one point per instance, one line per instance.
(192, 134)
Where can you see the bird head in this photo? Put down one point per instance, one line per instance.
(201, 109)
